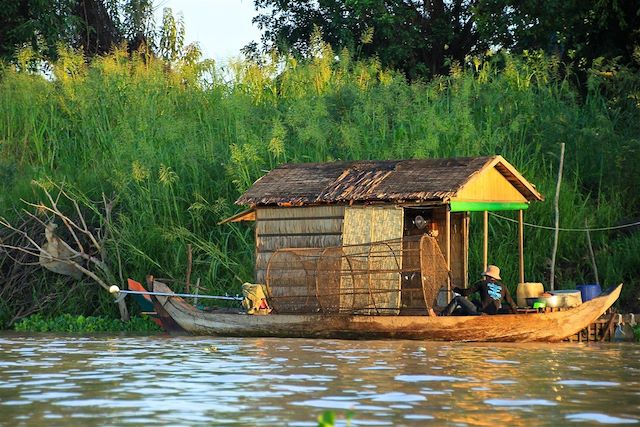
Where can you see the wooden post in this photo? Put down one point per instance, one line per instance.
(521, 243)
(189, 262)
(448, 243)
(197, 291)
(465, 249)
(591, 253)
(557, 225)
(485, 243)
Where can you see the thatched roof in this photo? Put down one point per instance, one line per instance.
(376, 181)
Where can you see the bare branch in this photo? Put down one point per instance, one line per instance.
(86, 257)
(24, 234)
(20, 249)
(67, 222)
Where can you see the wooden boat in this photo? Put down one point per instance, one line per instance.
(149, 307)
(547, 327)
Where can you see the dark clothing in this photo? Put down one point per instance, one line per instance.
(492, 293)
(468, 307)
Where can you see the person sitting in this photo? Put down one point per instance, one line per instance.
(492, 293)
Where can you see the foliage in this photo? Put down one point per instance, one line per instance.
(636, 332)
(82, 324)
(177, 145)
(428, 38)
(93, 26)
(576, 30)
(419, 38)
(328, 419)
(39, 24)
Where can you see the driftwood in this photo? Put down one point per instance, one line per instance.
(55, 252)
(76, 249)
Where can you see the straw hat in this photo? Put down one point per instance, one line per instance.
(492, 271)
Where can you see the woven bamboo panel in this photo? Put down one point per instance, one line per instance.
(314, 225)
(356, 230)
(295, 227)
(299, 212)
(363, 225)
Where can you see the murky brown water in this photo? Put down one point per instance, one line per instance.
(112, 381)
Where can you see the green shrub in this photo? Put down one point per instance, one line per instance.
(82, 324)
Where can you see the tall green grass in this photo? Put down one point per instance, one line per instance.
(176, 146)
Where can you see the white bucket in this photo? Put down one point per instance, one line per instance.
(571, 297)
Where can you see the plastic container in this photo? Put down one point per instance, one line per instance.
(528, 290)
(589, 291)
(570, 298)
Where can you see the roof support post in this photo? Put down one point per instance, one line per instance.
(448, 243)
(485, 242)
(521, 244)
(465, 249)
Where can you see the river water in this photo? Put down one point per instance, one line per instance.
(50, 380)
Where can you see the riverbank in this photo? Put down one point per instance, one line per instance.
(168, 150)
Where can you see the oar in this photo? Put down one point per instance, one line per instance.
(117, 291)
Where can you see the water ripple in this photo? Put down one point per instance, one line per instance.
(600, 418)
(161, 380)
(519, 402)
(423, 378)
(588, 383)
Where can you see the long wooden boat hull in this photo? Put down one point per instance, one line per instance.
(547, 327)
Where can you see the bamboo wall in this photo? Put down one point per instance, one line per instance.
(331, 226)
(295, 227)
(364, 225)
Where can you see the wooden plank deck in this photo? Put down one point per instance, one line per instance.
(602, 329)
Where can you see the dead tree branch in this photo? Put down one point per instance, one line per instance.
(76, 250)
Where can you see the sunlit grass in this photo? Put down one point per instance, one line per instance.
(176, 149)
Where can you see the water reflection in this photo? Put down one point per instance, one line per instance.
(50, 380)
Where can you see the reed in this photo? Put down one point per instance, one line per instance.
(177, 146)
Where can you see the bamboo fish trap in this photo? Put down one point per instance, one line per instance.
(388, 277)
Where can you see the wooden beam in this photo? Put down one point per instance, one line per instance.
(448, 244)
(521, 244)
(557, 222)
(465, 249)
(485, 242)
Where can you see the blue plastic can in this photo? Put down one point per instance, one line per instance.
(589, 291)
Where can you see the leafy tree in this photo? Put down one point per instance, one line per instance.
(38, 23)
(578, 30)
(425, 37)
(417, 37)
(93, 25)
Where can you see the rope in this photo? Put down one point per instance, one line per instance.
(544, 227)
(171, 294)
